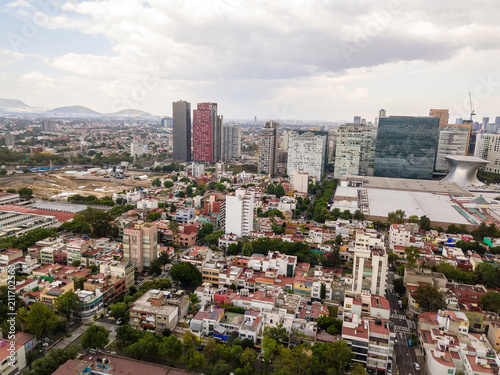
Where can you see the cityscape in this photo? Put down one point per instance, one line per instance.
(296, 188)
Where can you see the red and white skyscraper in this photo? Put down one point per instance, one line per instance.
(206, 133)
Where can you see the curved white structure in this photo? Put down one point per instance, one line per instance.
(463, 170)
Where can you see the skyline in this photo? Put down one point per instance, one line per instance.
(279, 61)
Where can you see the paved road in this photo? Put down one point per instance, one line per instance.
(68, 340)
(404, 355)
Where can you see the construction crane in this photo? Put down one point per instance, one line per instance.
(472, 113)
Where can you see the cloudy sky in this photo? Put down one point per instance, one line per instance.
(280, 59)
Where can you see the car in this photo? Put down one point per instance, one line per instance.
(416, 366)
(410, 342)
(397, 295)
(395, 341)
(118, 322)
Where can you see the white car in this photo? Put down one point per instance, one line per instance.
(416, 366)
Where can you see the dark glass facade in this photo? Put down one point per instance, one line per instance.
(406, 147)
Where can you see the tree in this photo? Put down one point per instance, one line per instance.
(195, 361)
(279, 191)
(95, 337)
(210, 351)
(392, 257)
(322, 292)
(233, 249)
(41, 320)
(163, 258)
(491, 301)
(168, 184)
(487, 274)
(67, 304)
(399, 286)
(126, 335)
(49, 363)
(76, 263)
(330, 324)
(205, 230)
(220, 368)
(153, 216)
(156, 267)
(145, 346)
(412, 253)
(118, 310)
(358, 215)
(270, 348)
(425, 223)
(294, 361)
(193, 301)
(270, 189)
(185, 273)
(173, 226)
(247, 249)
(156, 182)
(358, 369)
(190, 341)
(429, 298)
(25, 193)
(396, 217)
(338, 356)
(346, 215)
(248, 357)
(170, 348)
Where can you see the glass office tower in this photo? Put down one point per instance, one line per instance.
(406, 147)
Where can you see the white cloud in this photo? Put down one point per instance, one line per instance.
(305, 54)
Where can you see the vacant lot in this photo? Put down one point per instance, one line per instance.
(61, 185)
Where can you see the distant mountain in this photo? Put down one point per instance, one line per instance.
(130, 113)
(73, 110)
(13, 105)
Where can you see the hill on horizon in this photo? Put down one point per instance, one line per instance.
(74, 109)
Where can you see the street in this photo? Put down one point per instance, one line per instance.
(404, 354)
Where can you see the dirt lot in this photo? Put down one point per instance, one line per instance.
(61, 185)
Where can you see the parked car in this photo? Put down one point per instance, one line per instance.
(416, 366)
(410, 342)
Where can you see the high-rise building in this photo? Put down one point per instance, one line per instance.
(299, 181)
(207, 133)
(488, 148)
(268, 148)
(443, 114)
(9, 139)
(286, 136)
(497, 120)
(239, 213)
(332, 147)
(181, 112)
(231, 141)
(485, 122)
(355, 150)
(48, 126)
(140, 244)
(369, 271)
(453, 140)
(307, 153)
(198, 170)
(168, 122)
(357, 120)
(382, 113)
(459, 121)
(406, 147)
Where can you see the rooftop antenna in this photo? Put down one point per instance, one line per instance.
(472, 113)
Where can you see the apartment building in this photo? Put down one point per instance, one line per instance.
(370, 271)
(140, 244)
(151, 312)
(239, 213)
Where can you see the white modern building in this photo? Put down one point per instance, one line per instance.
(198, 170)
(239, 213)
(488, 148)
(307, 153)
(369, 271)
(452, 141)
(355, 150)
(299, 181)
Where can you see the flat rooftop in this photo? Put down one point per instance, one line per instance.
(432, 186)
(437, 207)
